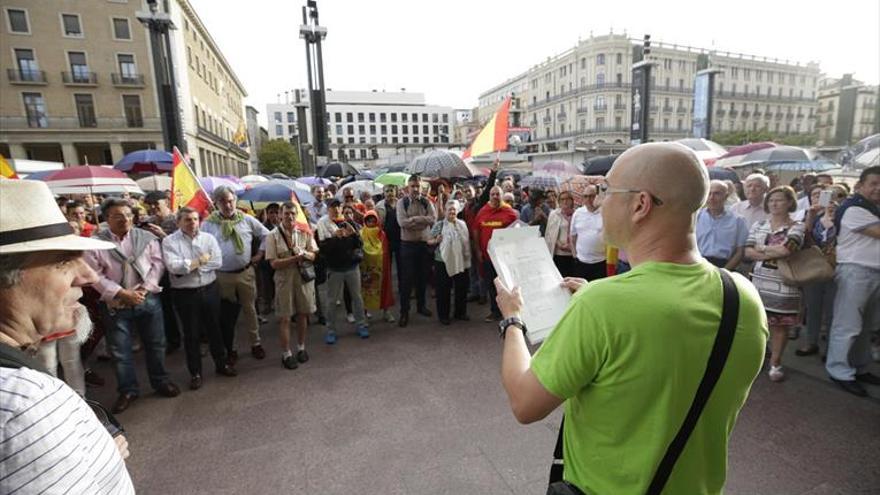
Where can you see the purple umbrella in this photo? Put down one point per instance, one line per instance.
(211, 183)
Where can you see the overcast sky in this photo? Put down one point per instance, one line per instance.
(452, 50)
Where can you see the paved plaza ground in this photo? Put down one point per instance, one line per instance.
(420, 410)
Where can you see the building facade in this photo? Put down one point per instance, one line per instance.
(848, 111)
(78, 85)
(369, 127)
(211, 97)
(254, 137)
(580, 99)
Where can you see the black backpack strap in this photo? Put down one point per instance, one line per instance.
(717, 359)
(557, 467)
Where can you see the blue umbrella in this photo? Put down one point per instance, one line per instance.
(275, 192)
(145, 161)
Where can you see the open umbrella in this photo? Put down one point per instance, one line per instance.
(720, 173)
(440, 163)
(249, 180)
(706, 150)
(304, 192)
(337, 169)
(869, 158)
(599, 165)
(541, 182)
(314, 181)
(561, 168)
(145, 161)
(88, 176)
(737, 154)
(360, 186)
(155, 183)
(211, 183)
(274, 192)
(393, 179)
(775, 154)
(800, 166)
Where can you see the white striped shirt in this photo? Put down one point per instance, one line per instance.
(51, 442)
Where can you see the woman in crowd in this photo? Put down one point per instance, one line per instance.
(376, 268)
(769, 241)
(291, 250)
(819, 296)
(452, 261)
(557, 234)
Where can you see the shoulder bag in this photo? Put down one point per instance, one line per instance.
(306, 267)
(804, 267)
(717, 359)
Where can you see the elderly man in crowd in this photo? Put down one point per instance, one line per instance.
(721, 235)
(628, 378)
(857, 275)
(415, 215)
(236, 232)
(496, 214)
(318, 209)
(128, 282)
(587, 238)
(752, 208)
(192, 257)
(50, 440)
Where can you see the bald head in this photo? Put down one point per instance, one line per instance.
(495, 196)
(669, 171)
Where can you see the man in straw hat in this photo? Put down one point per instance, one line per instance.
(49, 437)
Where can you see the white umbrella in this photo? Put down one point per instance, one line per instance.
(131, 187)
(155, 183)
(867, 159)
(360, 186)
(250, 180)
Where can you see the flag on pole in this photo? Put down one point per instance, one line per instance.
(240, 138)
(186, 190)
(493, 137)
(6, 170)
(301, 222)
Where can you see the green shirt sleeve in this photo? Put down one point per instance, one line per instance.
(574, 353)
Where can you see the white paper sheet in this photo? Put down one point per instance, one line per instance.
(521, 259)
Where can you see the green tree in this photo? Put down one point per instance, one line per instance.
(279, 156)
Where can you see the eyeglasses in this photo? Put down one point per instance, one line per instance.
(606, 189)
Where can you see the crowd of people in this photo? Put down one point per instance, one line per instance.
(177, 280)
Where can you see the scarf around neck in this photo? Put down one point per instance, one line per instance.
(227, 228)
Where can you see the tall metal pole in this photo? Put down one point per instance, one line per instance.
(312, 32)
(159, 25)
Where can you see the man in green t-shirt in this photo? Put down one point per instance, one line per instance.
(630, 351)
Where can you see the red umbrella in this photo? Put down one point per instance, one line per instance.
(86, 179)
(735, 155)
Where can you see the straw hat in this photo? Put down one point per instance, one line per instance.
(31, 221)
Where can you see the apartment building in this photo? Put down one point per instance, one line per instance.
(78, 85)
(581, 98)
(848, 111)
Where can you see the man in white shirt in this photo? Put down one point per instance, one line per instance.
(752, 208)
(50, 439)
(587, 238)
(192, 257)
(857, 275)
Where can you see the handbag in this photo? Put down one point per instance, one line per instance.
(306, 268)
(714, 366)
(804, 267)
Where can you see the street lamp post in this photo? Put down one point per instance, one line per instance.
(312, 32)
(159, 25)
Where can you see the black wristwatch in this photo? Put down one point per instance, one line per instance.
(513, 321)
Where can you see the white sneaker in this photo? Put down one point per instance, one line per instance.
(349, 318)
(776, 374)
(389, 317)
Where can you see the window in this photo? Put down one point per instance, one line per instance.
(121, 30)
(619, 79)
(404, 129)
(291, 117)
(350, 129)
(133, 114)
(382, 118)
(600, 123)
(383, 129)
(619, 58)
(35, 108)
(127, 68)
(337, 117)
(79, 70)
(404, 117)
(373, 129)
(360, 116)
(424, 129)
(279, 130)
(600, 59)
(394, 119)
(372, 117)
(277, 116)
(338, 128)
(393, 128)
(27, 65)
(349, 117)
(600, 79)
(415, 117)
(18, 21)
(361, 129)
(291, 129)
(434, 118)
(71, 25)
(445, 118)
(85, 109)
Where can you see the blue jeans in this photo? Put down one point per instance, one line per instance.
(146, 319)
(856, 315)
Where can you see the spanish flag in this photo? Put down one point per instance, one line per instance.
(301, 223)
(240, 138)
(185, 187)
(6, 170)
(493, 137)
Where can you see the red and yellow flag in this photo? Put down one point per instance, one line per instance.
(186, 190)
(302, 223)
(493, 137)
(6, 170)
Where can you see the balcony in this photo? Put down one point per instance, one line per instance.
(733, 114)
(79, 78)
(757, 115)
(671, 89)
(720, 112)
(667, 109)
(789, 115)
(582, 110)
(745, 114)
(561, 115)
(548, 119)
(779, 115)
(681, 110)
(653, 108)
(30, 77)
(600, 108)
(128, 80)
(800, 115)
(620, 106)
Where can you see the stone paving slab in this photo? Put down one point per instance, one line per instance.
(421, 410)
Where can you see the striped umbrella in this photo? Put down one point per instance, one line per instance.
(441, 163)
(91, 179)
(736, 155)
(541, 182)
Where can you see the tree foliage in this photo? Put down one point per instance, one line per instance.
(279, 156)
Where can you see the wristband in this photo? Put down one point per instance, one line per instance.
(513, 321)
